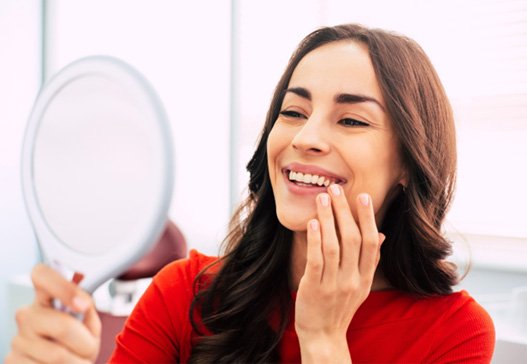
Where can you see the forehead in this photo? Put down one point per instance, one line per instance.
(338, 67)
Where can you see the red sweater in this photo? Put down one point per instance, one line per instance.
(390, 326)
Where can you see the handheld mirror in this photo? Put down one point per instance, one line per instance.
(97, 168)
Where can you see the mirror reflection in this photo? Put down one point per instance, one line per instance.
(94, 164)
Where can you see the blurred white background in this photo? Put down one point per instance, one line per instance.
(215, 63)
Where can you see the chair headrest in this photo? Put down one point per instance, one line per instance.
(171, 246)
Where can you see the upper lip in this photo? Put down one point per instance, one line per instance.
(310, 169)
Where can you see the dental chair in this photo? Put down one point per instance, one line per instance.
(119, 295)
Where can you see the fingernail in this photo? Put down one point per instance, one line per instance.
(324, 199)
(335, 189)
(313, 224)
(77, 277)
(80, 303)
(364, 199)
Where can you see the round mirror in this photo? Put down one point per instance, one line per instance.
(97, 168)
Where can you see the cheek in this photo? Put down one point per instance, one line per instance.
(272, 153)
(376, 171)
(277, 142)
(378, 187)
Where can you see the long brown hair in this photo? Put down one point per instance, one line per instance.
(245, 306)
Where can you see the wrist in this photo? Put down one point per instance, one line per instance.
(324, 349)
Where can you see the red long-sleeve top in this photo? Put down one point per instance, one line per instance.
(389, 327)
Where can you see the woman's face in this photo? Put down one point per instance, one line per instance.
(332, 128)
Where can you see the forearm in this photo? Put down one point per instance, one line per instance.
(324, 350)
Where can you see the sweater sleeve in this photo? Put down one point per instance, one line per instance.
(466, 334)
(158, 329)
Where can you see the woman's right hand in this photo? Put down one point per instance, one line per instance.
(46, 335)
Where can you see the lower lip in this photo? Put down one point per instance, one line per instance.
(302, 190)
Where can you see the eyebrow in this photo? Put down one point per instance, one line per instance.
(344, 98)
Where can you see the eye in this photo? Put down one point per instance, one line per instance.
(292, 114)
(352, 122)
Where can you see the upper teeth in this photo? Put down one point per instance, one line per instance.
(309, 178)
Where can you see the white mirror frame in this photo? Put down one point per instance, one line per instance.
(98, 268)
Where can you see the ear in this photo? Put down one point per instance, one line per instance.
(403, 178)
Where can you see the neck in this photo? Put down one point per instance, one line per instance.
(298, 264)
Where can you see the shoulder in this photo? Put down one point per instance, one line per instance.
(451, 317)
(174, 286)
(465, 329)
(443, 328)
(181, 273)
(460, 309)
(394, 304)
(159, 329)
(455, 306)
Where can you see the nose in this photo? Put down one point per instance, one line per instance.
(311, 138)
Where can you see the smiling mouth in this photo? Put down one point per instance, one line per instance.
(311, 180)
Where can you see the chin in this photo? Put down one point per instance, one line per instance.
(294, 221)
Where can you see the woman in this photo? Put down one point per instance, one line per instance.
(359, 139)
